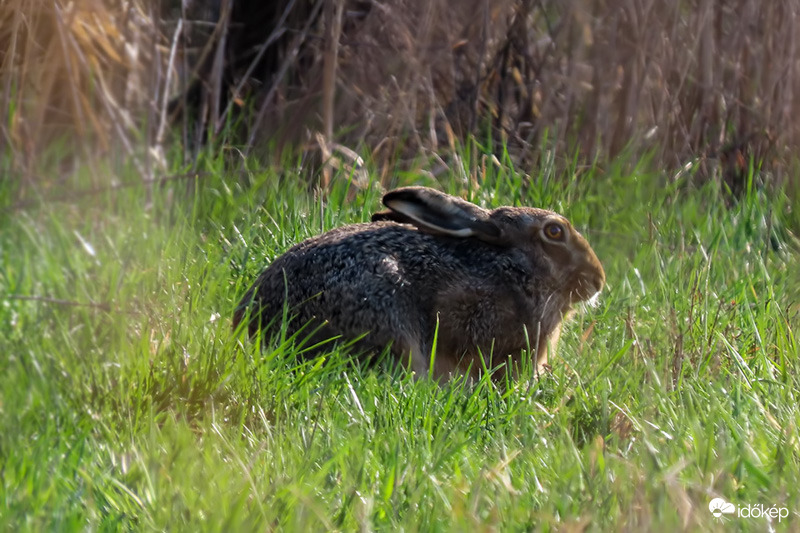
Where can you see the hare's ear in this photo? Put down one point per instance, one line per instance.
(394, 216)
(436, 212)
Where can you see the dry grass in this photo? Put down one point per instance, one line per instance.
(691, 80)
(80, 74)
(703, 85)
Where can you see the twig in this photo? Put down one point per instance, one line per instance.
(333, 26)
(197, 73)
(162, 126)
(289, 61)
(271, 38)
(218, 66)
(333, 22)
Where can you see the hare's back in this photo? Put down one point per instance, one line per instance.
(358, 278)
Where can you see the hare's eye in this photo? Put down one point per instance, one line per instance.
(554, 232)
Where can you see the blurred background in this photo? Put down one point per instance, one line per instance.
(707, 86)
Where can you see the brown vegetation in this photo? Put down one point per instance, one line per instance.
(700, 82)
(78, 74)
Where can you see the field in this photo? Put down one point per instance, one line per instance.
(126, 402)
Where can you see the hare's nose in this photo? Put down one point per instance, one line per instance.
(599, 282)
(596, 278)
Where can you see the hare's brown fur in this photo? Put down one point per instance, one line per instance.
(485, 283)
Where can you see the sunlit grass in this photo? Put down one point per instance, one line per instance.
(127, 402)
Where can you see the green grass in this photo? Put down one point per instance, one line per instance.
(127, 403)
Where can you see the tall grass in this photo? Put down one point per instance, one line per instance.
(694, 82)
(706, 83)
(126, 402)
(80, 80)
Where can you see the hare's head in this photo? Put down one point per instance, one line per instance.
(550, 239)
(547, 238)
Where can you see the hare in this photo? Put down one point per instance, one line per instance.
(433, 270)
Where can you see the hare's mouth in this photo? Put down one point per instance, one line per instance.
(593, 300)
(588, 288)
